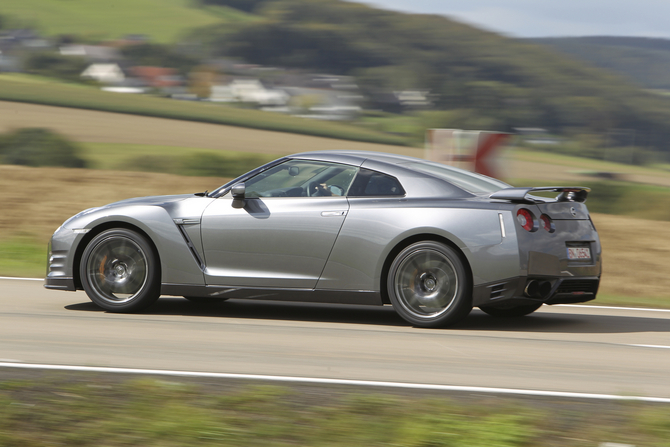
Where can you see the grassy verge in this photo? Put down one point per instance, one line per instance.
(157, 412)
(16, 88)
(23, 257)
(656, 302)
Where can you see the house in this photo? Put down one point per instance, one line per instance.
(104, 73)
(248, 90)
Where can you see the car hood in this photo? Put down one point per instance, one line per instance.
(149, 200)
(83, 217)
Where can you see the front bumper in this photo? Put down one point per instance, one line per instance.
(60, 283)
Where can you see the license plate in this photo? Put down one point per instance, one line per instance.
(579, 253)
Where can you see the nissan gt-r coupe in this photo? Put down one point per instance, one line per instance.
(340, 227)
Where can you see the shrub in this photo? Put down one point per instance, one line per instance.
(39, 147)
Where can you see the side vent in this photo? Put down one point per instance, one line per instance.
(191, 247)
(497, 291)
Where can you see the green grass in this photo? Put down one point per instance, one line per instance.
(627, 301)
(23, 257)
(164, 21)
(40, 91)
(86, 410)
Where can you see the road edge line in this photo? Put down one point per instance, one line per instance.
(316, 380)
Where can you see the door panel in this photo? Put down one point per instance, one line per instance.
(270, 242)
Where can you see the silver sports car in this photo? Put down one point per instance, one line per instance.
(340, 227)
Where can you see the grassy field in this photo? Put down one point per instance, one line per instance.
(93, 410)
(635, 264)
(28, 89)
(162, 21)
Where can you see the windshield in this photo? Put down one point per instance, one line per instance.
(469, 181)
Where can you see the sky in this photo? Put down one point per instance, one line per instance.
(549, 18)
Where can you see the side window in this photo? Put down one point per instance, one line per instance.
(370, 183)
(302, 178)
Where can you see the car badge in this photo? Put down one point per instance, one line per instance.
(573, 211)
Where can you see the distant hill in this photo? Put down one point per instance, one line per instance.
(645, 61)
(164, 21)
(475, 79)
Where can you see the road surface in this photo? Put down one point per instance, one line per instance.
(563, 349)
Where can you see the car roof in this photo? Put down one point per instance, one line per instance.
(355, 157)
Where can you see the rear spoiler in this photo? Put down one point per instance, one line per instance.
(567, 193)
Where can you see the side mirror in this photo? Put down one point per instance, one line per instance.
(238, 191)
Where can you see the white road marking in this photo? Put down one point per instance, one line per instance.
(646, 309)
(651, 346)
(293, 379)
(22, 279)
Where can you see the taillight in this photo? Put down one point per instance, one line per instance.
(526, 219)
(547, 223)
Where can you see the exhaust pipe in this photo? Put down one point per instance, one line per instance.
(545, 289)
(538, 289)
(532, 289)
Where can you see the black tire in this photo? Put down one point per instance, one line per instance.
(205, 300)
(511, 312)
(429, 286)
(120, 271)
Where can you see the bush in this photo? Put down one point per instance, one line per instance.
(54, 65)
(39, 147)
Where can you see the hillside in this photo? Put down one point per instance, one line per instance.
(476, 79)
(161, 20)
(644, 61)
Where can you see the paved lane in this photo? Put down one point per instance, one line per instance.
(569, 349)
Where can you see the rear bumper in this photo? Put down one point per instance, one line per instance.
(513, 291)
(60, 283)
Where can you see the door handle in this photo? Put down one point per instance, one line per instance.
(333, 213)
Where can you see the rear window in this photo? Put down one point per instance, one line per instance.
(371, 183)
(468, 181)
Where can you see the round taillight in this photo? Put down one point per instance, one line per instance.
(547, 223)
(526, 219)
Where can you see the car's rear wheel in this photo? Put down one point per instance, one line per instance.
(429, 286)
(511, 312)
(120, 272)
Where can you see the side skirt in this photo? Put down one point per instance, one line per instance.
(364, 297)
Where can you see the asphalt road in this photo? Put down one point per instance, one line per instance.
(565, 349)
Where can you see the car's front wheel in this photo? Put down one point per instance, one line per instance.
(429, 286)
(120, 272)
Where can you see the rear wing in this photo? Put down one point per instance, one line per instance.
(567, 194)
